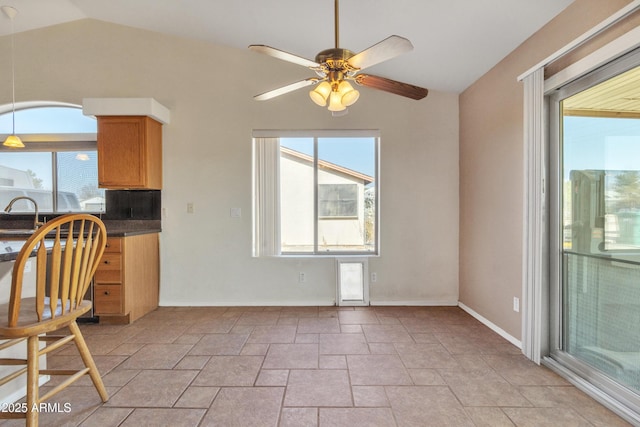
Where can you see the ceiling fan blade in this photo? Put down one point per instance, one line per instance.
(286, 89)
(285, 56)
(386, 49)
(388, 85)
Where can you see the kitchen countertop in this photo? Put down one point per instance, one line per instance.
(11, 243)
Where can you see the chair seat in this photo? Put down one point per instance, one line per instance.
(28, 323)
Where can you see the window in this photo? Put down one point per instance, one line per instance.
(315, 193)
(58, 168)
(337, 200)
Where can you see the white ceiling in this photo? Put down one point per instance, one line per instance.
(455, 41)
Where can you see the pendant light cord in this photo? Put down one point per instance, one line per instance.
(13, 83)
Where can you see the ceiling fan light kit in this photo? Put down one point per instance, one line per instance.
(335, 67)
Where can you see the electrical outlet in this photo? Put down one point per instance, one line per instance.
(374, 277)
(302, 277)
(516, 304)
(190, 207)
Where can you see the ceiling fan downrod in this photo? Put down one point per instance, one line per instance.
(337, 23)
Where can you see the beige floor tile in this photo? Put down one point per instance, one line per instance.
(254, 350)
(537, 417)
(229, 371)
(273, 334)
(358, 317)
(258, 318)
(244, 406)
(107, 417)
(489, 417)
(320, 325)
(318, 388)
(157, 356)
(159, 335)
(369, 396)
(489, 394)
(174, 417)
(386, 333)
(273, 377)
(426, 377)
(343, 344)
(426, 406)
(349, 417)
(350, 329)
(192, 362)
(382, 348)
(197, 397)
(119, 377)
(212, 326)
(292, 356)
(377, 370)
(219, 345)
(299, 417)
(333, 362)
(153, 388)
(307, 338)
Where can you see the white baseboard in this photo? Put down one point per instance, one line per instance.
(421, 303)
(495, 328)
(247, 303)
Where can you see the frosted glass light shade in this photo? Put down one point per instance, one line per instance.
(320, 94)
(335, 103)
(349, 95)
(13, 141)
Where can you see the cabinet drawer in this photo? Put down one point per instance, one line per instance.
(109, 269)
(107, 299)
(114, 245)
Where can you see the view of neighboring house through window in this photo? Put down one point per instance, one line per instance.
(316, 194)
(58, 167)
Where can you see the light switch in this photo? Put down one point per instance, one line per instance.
(235, 212)
(190, 207)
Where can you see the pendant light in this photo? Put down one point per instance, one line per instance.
(12, 140)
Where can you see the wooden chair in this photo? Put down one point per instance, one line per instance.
(67, 252)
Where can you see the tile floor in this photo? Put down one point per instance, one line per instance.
(315, 366)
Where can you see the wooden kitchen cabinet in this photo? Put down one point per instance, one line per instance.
(129, 152)
(126, 283)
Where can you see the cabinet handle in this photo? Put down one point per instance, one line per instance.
(107, 262)
(107, 245)
(106, 292)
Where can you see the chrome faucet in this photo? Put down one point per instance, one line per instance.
(36, 222)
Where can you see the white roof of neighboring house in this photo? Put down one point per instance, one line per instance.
(328, 165)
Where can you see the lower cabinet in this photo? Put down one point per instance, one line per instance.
(126, 283)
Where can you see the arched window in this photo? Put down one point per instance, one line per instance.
(58, 166)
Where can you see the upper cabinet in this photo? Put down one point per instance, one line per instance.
(129, 152)
(129, 141)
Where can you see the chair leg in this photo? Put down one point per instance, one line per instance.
(33, 375)
(88, 361)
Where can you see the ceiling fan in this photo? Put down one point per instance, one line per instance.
(336, 67)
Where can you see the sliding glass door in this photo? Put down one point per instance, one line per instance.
(596, 237)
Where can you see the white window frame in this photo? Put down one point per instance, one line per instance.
(266, 197)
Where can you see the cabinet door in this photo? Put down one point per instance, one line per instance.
(129, 152)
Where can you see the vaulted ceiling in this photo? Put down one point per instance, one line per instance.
(455, 41)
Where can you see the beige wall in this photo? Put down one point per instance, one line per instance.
(206, 256)
(491, 168)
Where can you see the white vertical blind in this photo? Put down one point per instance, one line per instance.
(266, 200)
(535, 251)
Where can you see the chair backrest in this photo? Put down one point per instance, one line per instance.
(67, 253)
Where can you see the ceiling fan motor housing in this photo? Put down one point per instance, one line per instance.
(336, 60)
